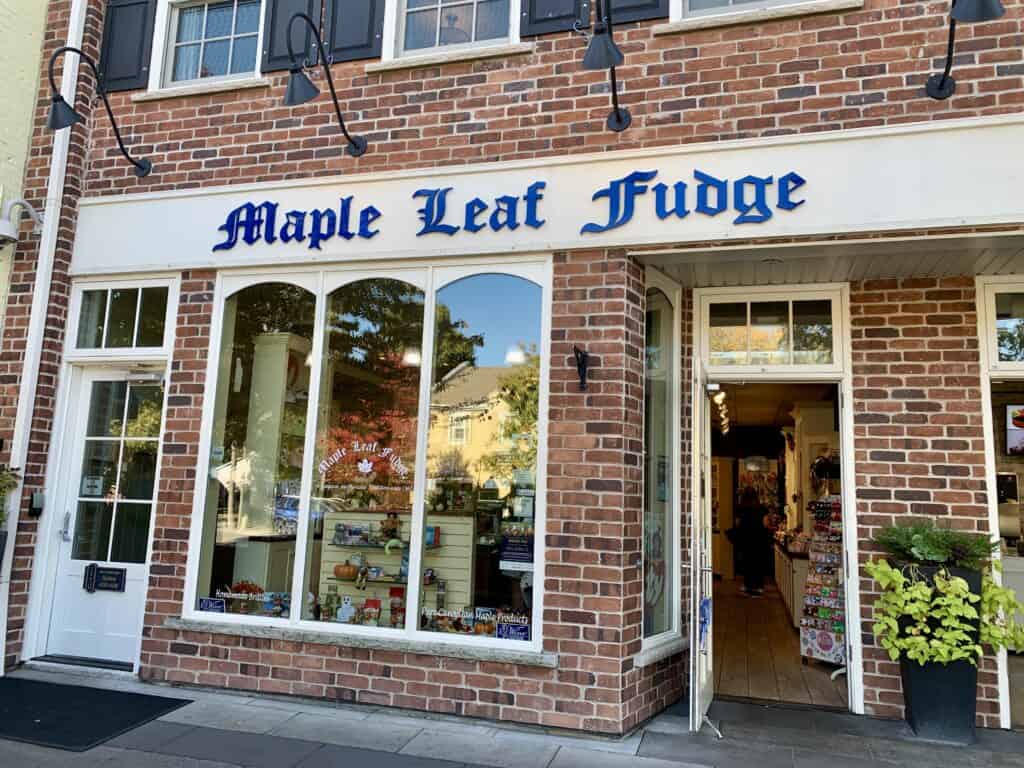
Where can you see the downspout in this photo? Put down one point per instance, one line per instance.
(38, 313)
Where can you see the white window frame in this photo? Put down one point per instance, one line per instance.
(752, 11)
(394, 35)
(71, 351)
(666, 643)
(321, 282)
(162, 56)
(994, 369)
(786, 370)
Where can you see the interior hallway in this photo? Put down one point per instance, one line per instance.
(757, 652)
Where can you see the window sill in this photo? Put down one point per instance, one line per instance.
(450, 57)
(501, 655)
(661, 650)
(756, 15)
(198, 89)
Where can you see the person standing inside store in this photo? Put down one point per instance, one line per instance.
(754, 542)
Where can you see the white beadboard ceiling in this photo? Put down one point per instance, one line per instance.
(825, 262)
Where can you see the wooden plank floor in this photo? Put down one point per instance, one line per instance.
(757, 653)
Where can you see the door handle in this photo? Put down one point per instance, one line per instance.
(65, 533)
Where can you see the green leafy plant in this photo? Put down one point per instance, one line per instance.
(927, 544)
(928, 614)
(9, 479)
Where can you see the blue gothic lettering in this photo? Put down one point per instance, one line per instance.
(533, 198)
(294, 227)
(621, 195)
(505, 213)
(345, 212)
(661, 200)
(759, 204)
(707, 183)
(432, 212)
(255, 222)
(474, 208)
(367, 216)
(323, 227)
(791, 181)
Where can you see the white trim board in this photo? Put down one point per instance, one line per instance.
(858, 181)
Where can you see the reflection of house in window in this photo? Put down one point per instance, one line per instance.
(458, 429)
(468, 409)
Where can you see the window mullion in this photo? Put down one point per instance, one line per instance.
(302, 533)
(418, 518)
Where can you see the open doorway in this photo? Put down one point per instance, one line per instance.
(777, 551)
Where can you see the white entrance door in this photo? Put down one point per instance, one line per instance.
(701, 658)
(109, 485)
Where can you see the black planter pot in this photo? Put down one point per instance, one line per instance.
(3, 544)
(941, 699)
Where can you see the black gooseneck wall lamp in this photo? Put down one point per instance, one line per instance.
(63, 115)
(301, 89)
(603, 53)
(965, 11)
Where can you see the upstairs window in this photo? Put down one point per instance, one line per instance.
(213, 40)
(450, 24)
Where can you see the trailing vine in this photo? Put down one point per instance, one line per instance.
(939, 619)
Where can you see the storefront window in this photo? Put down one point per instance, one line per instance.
(357, 563)
(259, 427)
(480, 497)
(1010, 326)
(659, 472)
(341, 520)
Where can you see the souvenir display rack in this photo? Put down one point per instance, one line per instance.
(823, 624)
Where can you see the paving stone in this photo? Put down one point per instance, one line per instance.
(20, 755)
(245, 749)
(151, 736)
(438, 724)
(229, 716)
(924, 755)
(738, 734)
(706, 749)
(569, 757)
(366, 734)
(332, 756)
(472, 749)
(128, 758)
(513, 739)
(805, 758)
(670, 724)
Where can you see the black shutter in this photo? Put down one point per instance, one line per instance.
(638, 10)
(540, 17)
(275, 31)
(127, 44)
(354, 29)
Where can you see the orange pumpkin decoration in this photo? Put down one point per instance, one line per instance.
(346, 571)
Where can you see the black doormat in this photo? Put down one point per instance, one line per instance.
(73, 717)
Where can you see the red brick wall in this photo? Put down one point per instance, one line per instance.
(918, 437)
(15, 327)
(812, 73)
(591, 618)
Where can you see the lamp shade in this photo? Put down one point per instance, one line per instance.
(300, 89)
(602, 52)
(62, 114)
(977, 10)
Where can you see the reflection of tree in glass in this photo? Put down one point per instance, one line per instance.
(812, 337)
(260, 309)
(450, 465)
(1011, 341)
(452, 346)
(520, 391)
(375, 331)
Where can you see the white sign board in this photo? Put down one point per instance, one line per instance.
(943, 174)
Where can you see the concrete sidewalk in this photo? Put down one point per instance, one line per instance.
(223, 730)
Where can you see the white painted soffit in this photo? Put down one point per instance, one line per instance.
(825, 262)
